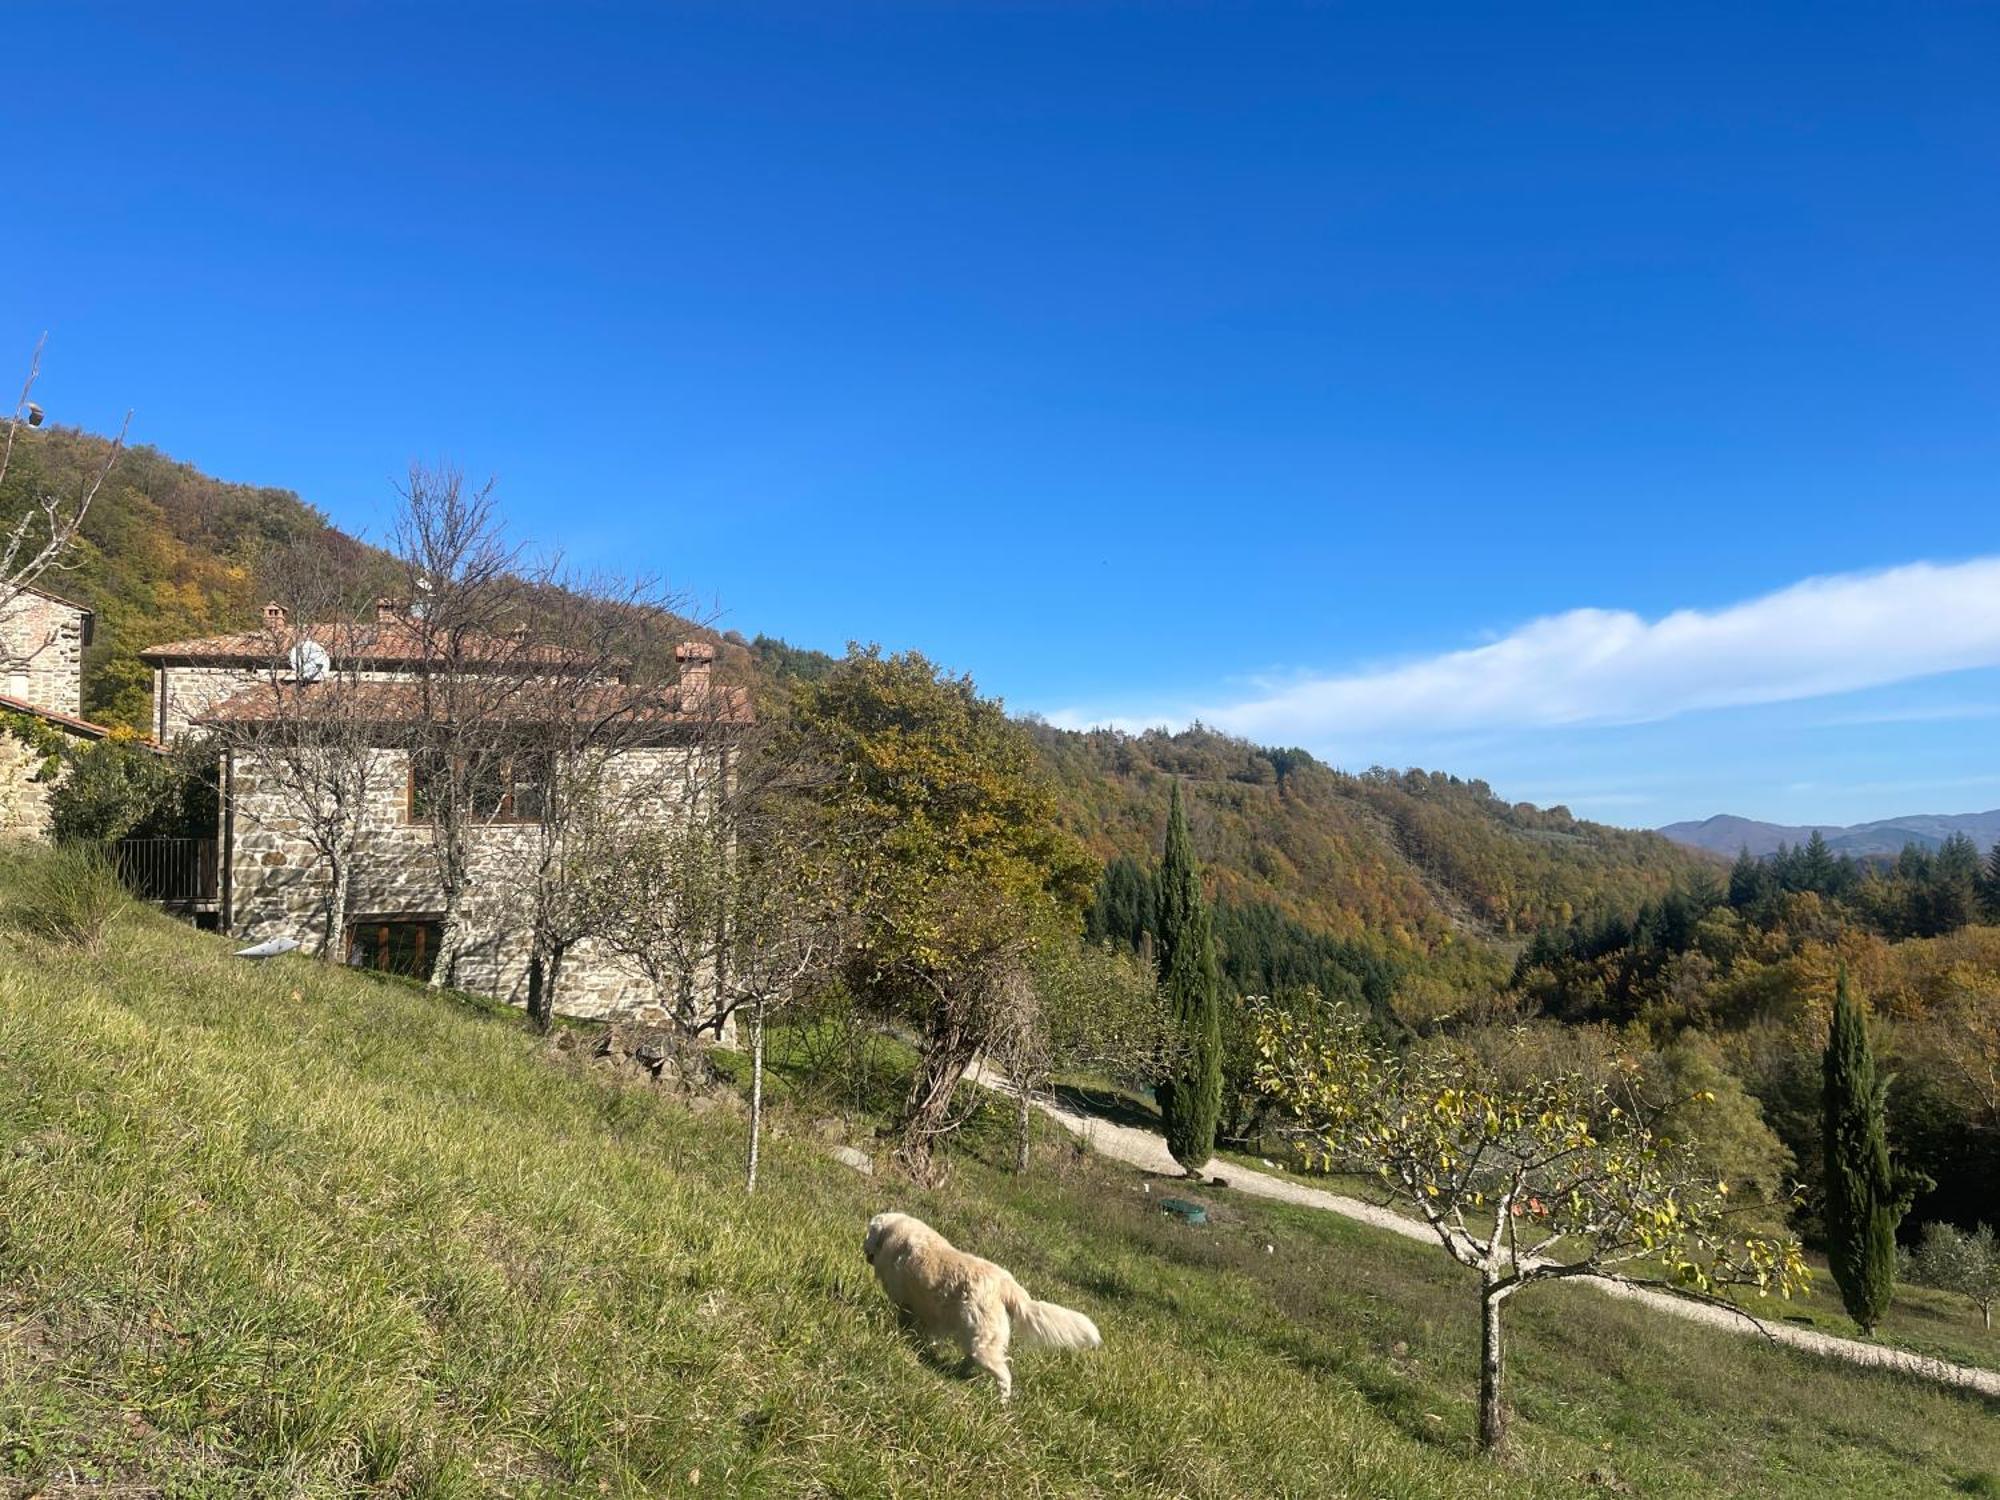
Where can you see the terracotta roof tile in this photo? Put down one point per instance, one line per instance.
(385, 641)
(400, 702)
(68, 721)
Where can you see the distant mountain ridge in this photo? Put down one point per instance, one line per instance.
(1726, 833)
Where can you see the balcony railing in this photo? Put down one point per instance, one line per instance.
(171, 871)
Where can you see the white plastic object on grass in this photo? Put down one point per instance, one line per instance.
(270, 948)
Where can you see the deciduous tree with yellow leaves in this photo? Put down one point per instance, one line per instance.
(1560, 1178)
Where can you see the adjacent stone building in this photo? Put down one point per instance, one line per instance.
(42, 636)
(273, 884)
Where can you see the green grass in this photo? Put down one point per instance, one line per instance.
(1921, 1318)
(282, 1230)
(1924, 1320)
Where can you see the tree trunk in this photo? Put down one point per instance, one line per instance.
(948, 1051)
(552, 980)
(336, 911)
(756, 1090)
(544, 972)
(451, 924)
(1492, 1415)
(536, 1017)
(1021, 1120)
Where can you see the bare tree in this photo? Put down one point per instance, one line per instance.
(469, 672)
(43, 537)
(604, 752)
(728, 905)
(1085, 1009)
(314, 730)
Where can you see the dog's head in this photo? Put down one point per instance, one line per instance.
(879, 1228)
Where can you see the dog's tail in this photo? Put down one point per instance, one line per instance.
(1044, 1325)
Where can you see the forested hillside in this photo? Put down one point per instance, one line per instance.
(1408, 863)
(167, 553)
(1417, 858)
(1752, 963)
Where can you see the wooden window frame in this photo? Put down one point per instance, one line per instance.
(384, 920)
(504, 812)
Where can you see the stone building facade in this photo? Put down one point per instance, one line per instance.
(42, 637)
(26, 780)
(274, 884)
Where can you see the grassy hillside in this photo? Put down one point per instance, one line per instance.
(280, 1230)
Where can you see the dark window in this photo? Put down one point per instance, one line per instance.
(497, 788)
(393, 945)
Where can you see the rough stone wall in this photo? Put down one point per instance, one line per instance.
(183, 694)
(24, 801)
(278, 885)
(41, 652)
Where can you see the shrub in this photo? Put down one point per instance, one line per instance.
(1957, 1261)
(122, 788)
(72, 895)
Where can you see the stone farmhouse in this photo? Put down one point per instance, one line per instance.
(42, 636)
(244, 688)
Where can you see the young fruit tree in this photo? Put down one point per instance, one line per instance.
(1086, 1009)
(721, 896)
(596, 744)
(1963, 1261)
(1555, 1179)
(310, 731)
(464, 590)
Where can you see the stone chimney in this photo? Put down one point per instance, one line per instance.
(695, 657)
(274, 617)
(388, 610)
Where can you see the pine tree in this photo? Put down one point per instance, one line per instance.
(1746, 881)
(1191, 1095)
(1817, 868)
(1865, 1199)
(1990, 886)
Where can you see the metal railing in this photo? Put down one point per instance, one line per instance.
(168, 870)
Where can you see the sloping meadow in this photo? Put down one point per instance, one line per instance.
(286, 1230)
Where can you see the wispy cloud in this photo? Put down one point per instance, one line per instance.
(1933, 713)
(1821, 636)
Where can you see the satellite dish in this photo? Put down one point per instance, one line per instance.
(309, 661)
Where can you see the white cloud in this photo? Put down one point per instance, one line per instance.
(1825, 635)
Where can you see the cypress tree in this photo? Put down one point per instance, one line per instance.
(1865, 1199)
(1191, 1094)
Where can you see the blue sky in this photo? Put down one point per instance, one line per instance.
(1251, 361)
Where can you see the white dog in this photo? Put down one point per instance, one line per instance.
(972, 1302)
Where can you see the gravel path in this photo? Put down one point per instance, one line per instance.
(1142, 1148)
